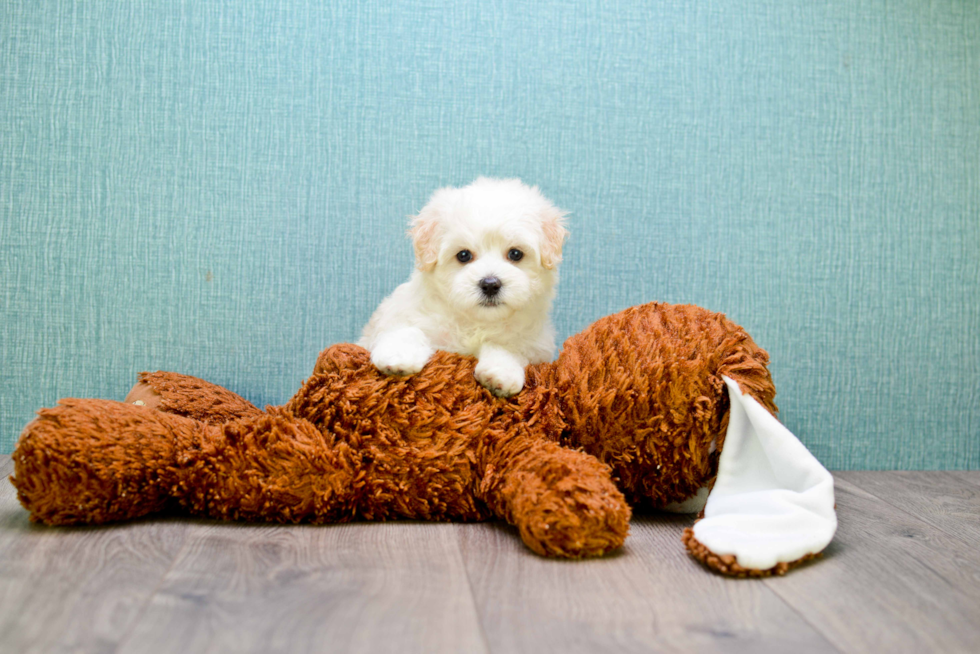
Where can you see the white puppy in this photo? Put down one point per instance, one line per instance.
(486, 260)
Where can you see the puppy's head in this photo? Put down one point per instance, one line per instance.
(491, 248)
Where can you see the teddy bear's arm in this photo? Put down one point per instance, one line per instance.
(563, 501)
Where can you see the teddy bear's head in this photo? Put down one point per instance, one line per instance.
(642, 391)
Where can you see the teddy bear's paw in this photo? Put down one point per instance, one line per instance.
(142, 394)
(576, 523)
(502, 378)
(400, 358)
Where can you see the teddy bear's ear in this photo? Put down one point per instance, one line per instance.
(424, 229)
(553, 236)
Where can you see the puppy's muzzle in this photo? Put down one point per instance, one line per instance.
(490, 286)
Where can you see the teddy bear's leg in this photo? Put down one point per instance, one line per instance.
(188, 396)
(272, 467)
(772, 505)
(562, 501)
(96, 461)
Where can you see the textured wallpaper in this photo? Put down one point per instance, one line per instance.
(222, 188)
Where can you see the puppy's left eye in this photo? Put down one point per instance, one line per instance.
(515, 255)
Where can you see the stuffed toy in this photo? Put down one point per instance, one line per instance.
(652, 407)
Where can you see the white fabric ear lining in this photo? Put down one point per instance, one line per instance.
(772, 501)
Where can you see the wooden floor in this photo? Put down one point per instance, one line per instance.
(902, 575)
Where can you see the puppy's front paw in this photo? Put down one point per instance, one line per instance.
(400, 358)
(502, 378)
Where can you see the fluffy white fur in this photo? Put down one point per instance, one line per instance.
(442, 305)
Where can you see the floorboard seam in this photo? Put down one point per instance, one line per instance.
(156, 589)
(773, 587)
(920, 518)
(826, 637)
(973, 480)
(469, 585)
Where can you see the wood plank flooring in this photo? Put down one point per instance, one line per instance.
(902, 575)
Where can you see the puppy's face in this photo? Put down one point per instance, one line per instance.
(490, 249)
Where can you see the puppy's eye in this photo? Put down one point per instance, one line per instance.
(464, 256)
(515, 255)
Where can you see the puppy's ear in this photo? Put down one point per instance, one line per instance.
(554, 233)
(425, 230)
(423, 233)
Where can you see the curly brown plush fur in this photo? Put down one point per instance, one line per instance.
(628, 413)
(727, 565)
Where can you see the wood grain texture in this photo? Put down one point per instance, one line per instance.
(364, 587)
(943, 500)
(889, 582)
(902, 575)
(969, 476)
(649, 597)
(80, 589)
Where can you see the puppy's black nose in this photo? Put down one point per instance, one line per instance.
(490, 286)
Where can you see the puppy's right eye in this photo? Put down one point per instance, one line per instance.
(464, 256)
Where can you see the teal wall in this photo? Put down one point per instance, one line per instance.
(220, 188)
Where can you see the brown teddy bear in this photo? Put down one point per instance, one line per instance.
(639, 409)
